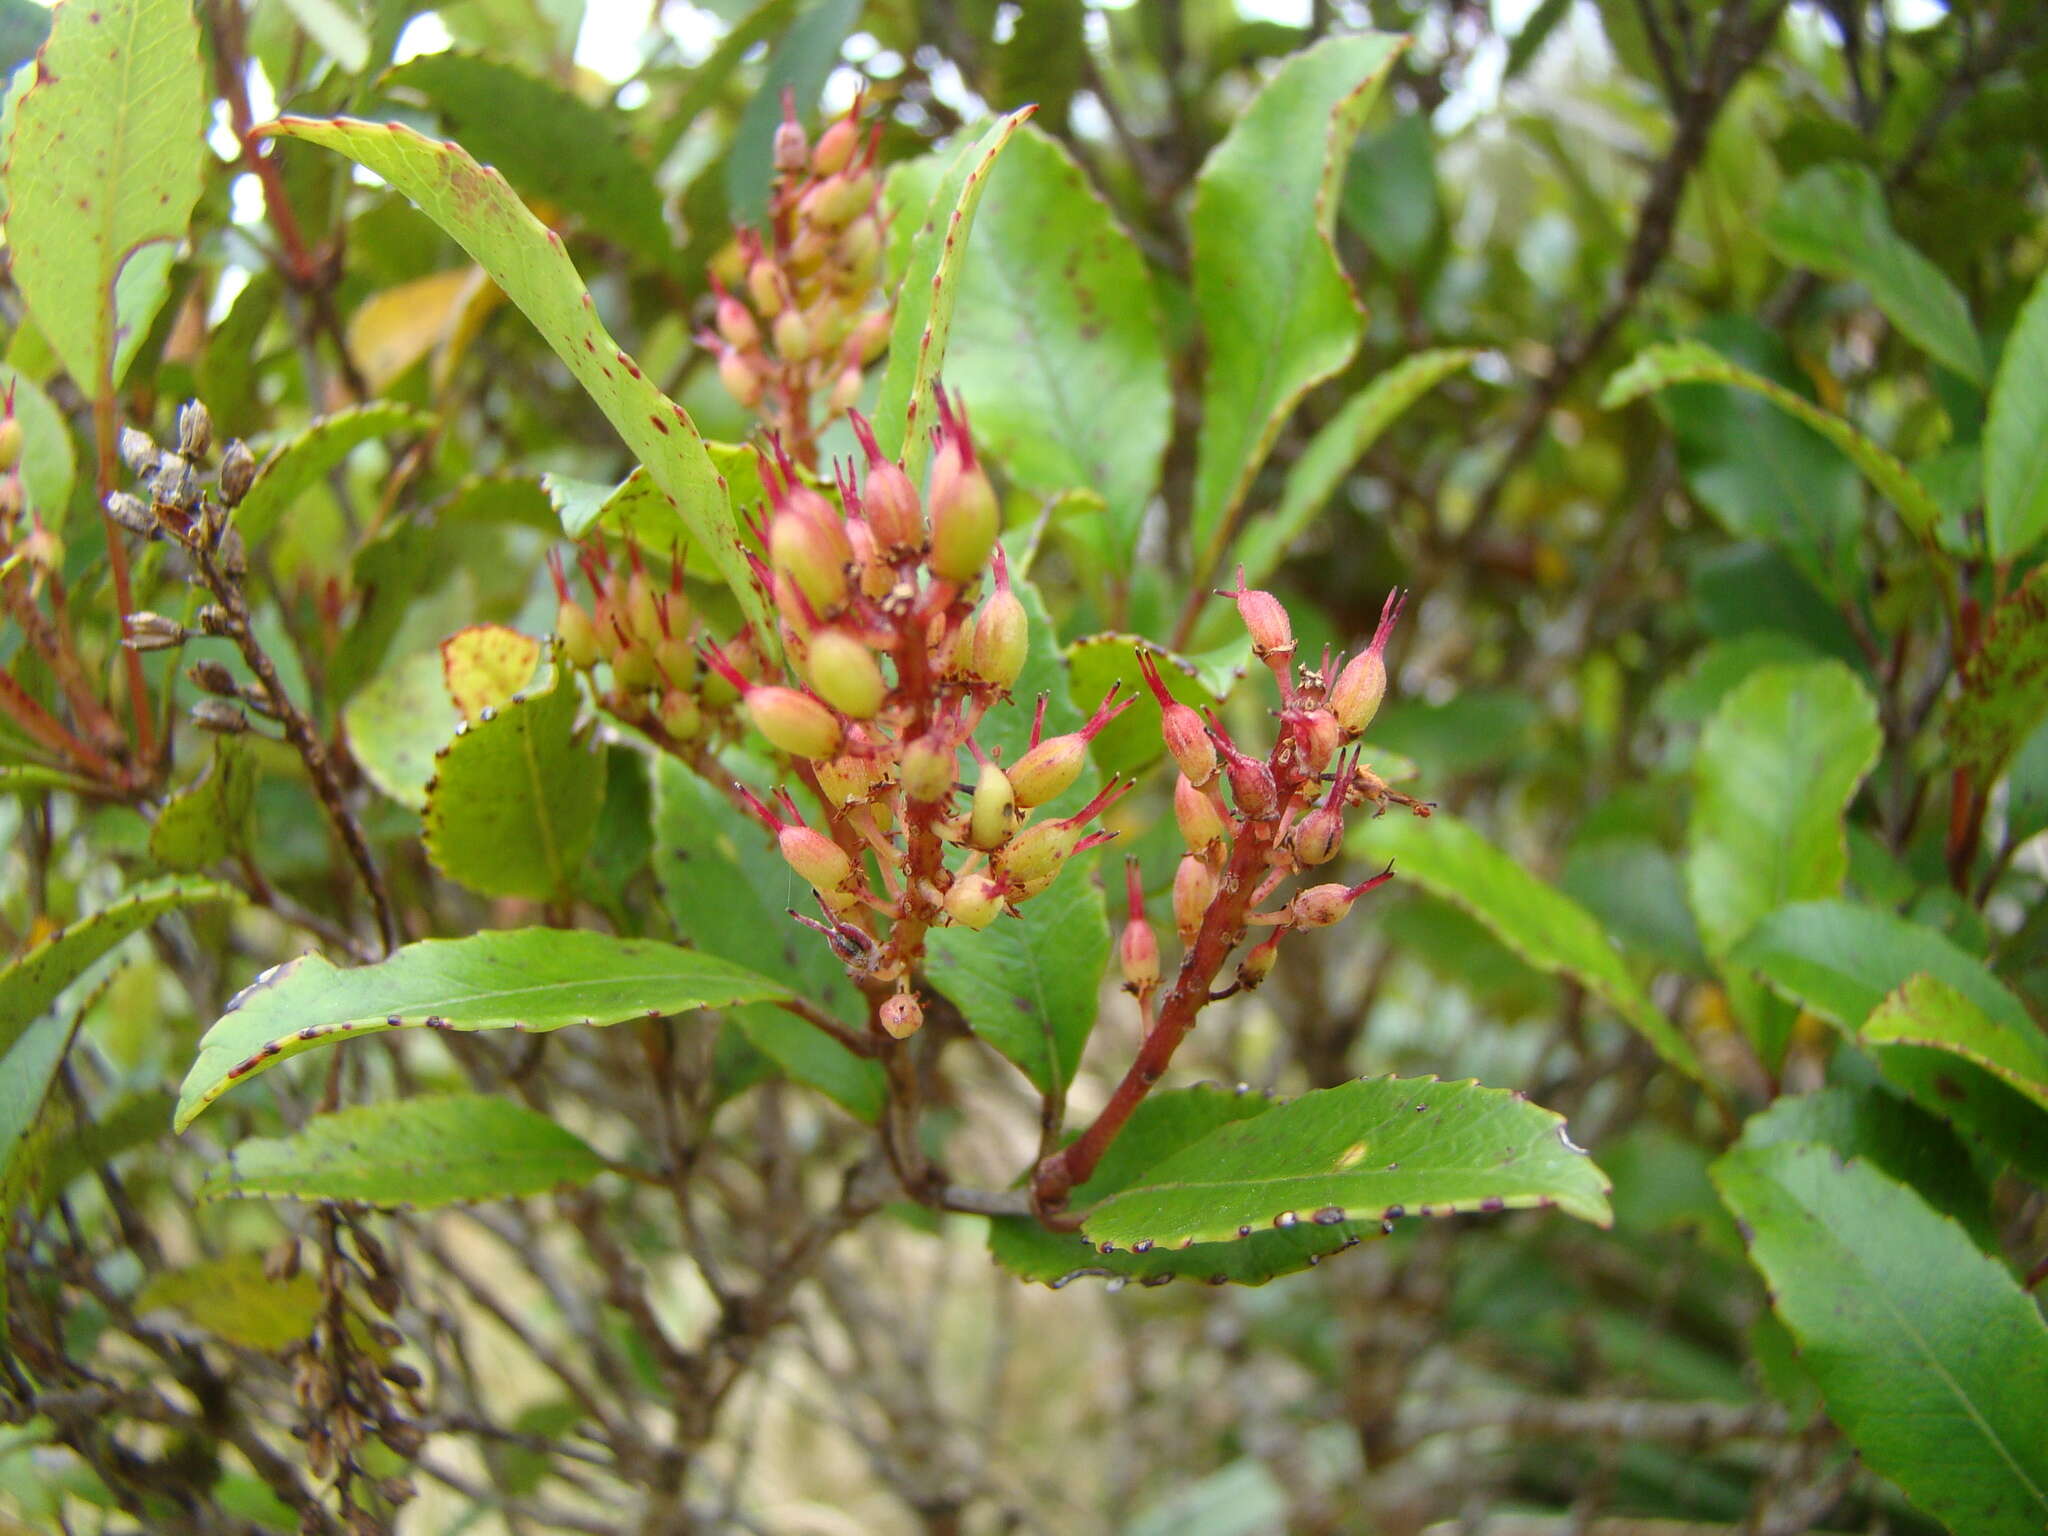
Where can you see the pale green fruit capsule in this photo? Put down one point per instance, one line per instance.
(835, 147)
(975, 901)
(815, 553)
(928, 769)
(681, 716)
(1002, 637)
(792, 336)
(1035, 855)
(814, 856)
(964, 515)
(845, 674)
(1194, 888)
(1049, 769)
(993, 815)
(579, 635)
(795, 722)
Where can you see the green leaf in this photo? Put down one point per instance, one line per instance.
(331, 25)
(1161, 1126)
(398, 724)
(1029, 986)
(1538, 922)
(1276, 307)
(103, 173)
(419, 1153)
(514, 799)
(1929, 1013)
(307, 458)
(1058, 346)
(1897, 1137)
(1376, 1149)
(1775, 770)
(552, 145)
(1832, 218)
(530, 979)
(1689, 362)
(30, 986)
(205, 822)
(2005, 683)
(729, 892)
(1342, 441)
(1927, 1353)
(927, 294)
(481, 212)
(803, 57)
(233, 1299)
(2016, 436)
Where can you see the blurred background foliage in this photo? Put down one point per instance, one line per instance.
(1847, 199)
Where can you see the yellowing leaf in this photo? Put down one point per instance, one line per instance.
(439, 313)
(485, 665)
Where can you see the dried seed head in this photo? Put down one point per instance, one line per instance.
(140, 453)
(195, 430)
(219, 717)
(133, 514)
(152, 631)
(237, 473)
(844, 673)
(213, 677)
(901, 1014)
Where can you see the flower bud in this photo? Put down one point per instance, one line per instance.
(237, 473)
(858, 252)
(835, 147)
(765, 287)
(836, 201)
(815, 553)
(1355, 696)
(1002, 636)
(10, 444)
(850, 777)
(794, 722)
(1049, 769)
(1257, 964)
(821, 862)
(642, 615)
(736, 322)
(1034, 856)
(1137, 948)
(1201, 822)
(742, 380)
(792, 336)
(844, 673)
(993, 815)
(633, 669)
(965, 517)
(1194, 889)
(888, 499)
(869, 337)
(975, 901)
(1264, 620)
(901, 1014)
(1319, 835)
(928, 769)
(1321, 905)
(680, 714)
(791, 148)
(1319, 735)
(1251, 781)
(1187, 739)
(845, 390)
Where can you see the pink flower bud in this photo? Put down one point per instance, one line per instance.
(1137, 948)
(975, 901)
(741, 379)
(791, 148)
(888, 500)
(1319, 835)
(1002, 632)
(736, 322)
(900, 1014)
(1321, 905)
(1187, 739)
(795, 722)
(845, 390)
(993, 815)
(1201, 822)
(929, 768)
(869, 337)
(965, 517)
(1264, 620)
(835, 147)
(844, 673)
(1319, 735)
(815, 553)
(1257, 964)
(1194, 889)
(1251, 781)
(1355, 696)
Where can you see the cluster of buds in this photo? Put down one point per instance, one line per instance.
(644, 631)
(797, 312)
(901, 632)
(1252, 823)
